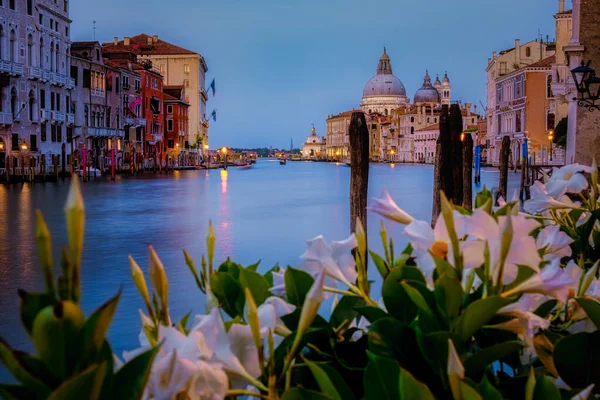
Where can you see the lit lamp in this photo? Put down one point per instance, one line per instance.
(1, 145)
(205, 147)
(224, 150)
(588, 86)
(462, 137)
(24, 146)
(551, 138)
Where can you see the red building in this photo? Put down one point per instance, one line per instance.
(176, 124)
(152, 110)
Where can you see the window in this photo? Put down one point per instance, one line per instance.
(125, 83)
(66, 31)
(69, 134)
(503, 68)
(41, 19)
(86, 116)
(527, 51)
(550, 121)
(56, 26)
(108, 117)
(53, 133)
(87, 78)
(137, 84)
(43, 132)
(518, 121)
(170, 143)
(12, 48)
(57, 102)
(59, 133)
(30, 50)
(412, 119)
(169, 125)
(33, 142)
(162, 68)
(51, 23)
(42, 98)
(186, 68)
(187, 83)
(11, 4)
(549, 93)
(15, 141)
(29, 7)
(52, 100)
(74, 73)
(41, 53)
(32, 107)
(169, 109)
(412, 130)
(66, 6)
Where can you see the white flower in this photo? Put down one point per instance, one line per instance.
(526, 303)
(554, 242)
(278, 288)
(541, 200)
(387, 208)
(567, 179)
(427, 242)
(584, 394)
(525, 326)
(483, 227)
(552, 281)
(335, 259)
(192, 347)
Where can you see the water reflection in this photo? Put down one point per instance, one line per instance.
(224, 181)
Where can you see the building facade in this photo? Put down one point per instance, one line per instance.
(311, 148)
(178, 66)
(336, 139)
(35, 115)
(176, 124)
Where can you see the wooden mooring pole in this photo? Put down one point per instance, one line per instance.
(456, 134)
(467, 170)
(442, 180)
(359, 169)
(504, 153)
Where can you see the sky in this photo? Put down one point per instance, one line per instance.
(282, 65)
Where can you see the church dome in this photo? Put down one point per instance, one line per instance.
(437, 84)
(385, 83)
(427, 93)
(446, 80)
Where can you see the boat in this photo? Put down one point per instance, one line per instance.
(245, 166)
(282, 161)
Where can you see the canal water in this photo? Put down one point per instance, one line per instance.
(266, 212)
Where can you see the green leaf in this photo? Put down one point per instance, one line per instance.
(448, 296)
(181, 325)
(15, 392)
(417, 298)
(577, 359)
(130, 380)
(269, 274)
(94, 330)
(478, 362)
(381, 379)
(304, 394)
(346, 310)
(31, 305)
(330, 381)
(443, 268)
(232, 268)
(592, 309)
(297, 285)
(85, 385)
(412, 389)
(16, 364)
(545, 389)
(253, 267)
(372, 314)
(397, 301)
(467, 392)
(546, 308)
(478, 314)
(229, 292)
(385, 337)
(488, 391)
(380, 263)
(258, 285)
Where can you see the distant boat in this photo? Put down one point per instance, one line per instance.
(246, 166)
(282, 161)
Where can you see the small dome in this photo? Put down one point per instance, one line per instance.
(427, 93)
(437, 83)
(446, 80)
(385, 83)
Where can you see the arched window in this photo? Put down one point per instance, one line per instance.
(13, 102)
(30, 7)
(1, 42)
(41, 53)
(52, 57)
(30, 50)
(32, 106)
(412, 130)
(97, 54)
(527, 51)
(57, 55)
(370, 111)
(13, 46)
(412, 119)
(549, 93)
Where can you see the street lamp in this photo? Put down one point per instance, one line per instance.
(1, 145)
(24, 146)
(551, 138)
(588, 86)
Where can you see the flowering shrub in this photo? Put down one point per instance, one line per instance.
(490, 303)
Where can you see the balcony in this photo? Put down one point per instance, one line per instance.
(45, 115)
(58, 79)
(102, 132)
(6, 118)
(97, 92)
(46, 76)
(126, 86)
(140, 122)
(35, 73)
(70, 83)
(59, 116)
(157, 138)
(71, 119)
(5, 67)
(17, 69)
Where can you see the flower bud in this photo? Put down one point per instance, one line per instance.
(387, 208)
(75, 218)
(311, 305)
(44, 245)
(253, 321)
(160, 282)
(456, 371)
(210, 246)
(140, 282)
(588, 278)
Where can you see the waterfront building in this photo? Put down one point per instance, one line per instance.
(176, 124)
(178, 66)
(583, 135)
(336, 139)
(35, 115)
(384, 91)
(311, 148)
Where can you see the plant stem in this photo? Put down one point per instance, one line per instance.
(338, 291)
(237, 393)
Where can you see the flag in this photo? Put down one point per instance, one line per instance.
(136, 102)
(214, 115)
(212, 86)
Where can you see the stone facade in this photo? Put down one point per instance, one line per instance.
(311, 148)
(35, 106)
(176, 124)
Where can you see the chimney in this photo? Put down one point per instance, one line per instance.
(116, 41)
(468, 107)
(494, 55)
(149, 41)
(475, 108)
(561, 5)
(518, 52)
(126, 41)
(155, 39)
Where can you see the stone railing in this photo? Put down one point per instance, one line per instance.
(35, 73)
(45, 115)
(59, 116)
(18, 69)
(6, 118)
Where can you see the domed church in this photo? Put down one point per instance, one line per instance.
(384, 92)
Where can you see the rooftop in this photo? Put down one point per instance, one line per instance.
(146, 45)
(545, 63)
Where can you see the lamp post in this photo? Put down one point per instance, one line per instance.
(224, 151)
(207, 156)
(392, 152)
(588, 86)
(551, 138)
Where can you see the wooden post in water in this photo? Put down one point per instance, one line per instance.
(467, 170)
(504, 153)
(442, 180)
(456, 132)
(359, 169)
